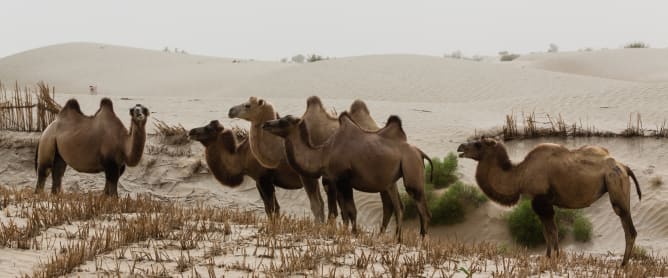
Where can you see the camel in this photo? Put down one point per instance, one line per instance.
(369, 161)
(321, 126)
(90, 144)
(229, 161)
(552, 175)
(268, 148)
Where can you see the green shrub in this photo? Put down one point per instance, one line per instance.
(445, 171)
(582, 228)
(525, 226)
(448, 208)
(527, 229)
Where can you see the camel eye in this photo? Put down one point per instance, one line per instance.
(247, 105)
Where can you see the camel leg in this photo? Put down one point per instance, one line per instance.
(630, 232)
(42, 174)
(345, 189)
(417, 193)
(112, 174)
(545, 212)
(313, 191)
(395, 200)
(618, 187)
(58, 171)
(333, 199)
(387, 210)
(266, 189)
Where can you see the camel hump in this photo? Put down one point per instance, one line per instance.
(393, 129)
(229, 140)
(314, 101)
(72, 105)
(106, 103)
(358, 106)
(345, 118)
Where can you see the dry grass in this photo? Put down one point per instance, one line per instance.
(545, 125)
(27, 108)
(142, 236)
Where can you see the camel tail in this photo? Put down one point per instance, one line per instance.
(431, 173)
(633, 176)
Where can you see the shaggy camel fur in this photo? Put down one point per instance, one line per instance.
(356, 158)
(90, 144)
(229, 162)
(321, 126)
(553, 175)
(268, 148)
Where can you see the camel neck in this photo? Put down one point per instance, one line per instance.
(266, 147)
(302, 156)
(498, 180)
(135, 144)
(226, 167)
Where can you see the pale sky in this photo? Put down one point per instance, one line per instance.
(270, 30)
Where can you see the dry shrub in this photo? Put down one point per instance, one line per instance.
(171, 134)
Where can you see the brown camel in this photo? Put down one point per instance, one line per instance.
(90, 144)
(356, 158)
(229, 162)
(552, 175)
(321, 126)
(268, 148)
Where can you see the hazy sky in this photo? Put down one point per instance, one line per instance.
(274, 29)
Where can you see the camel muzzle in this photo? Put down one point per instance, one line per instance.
(461, 149)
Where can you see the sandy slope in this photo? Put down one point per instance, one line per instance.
(441, 102)
(644, 64)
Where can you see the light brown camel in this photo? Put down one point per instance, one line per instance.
(229, 162)
(552, 175)
(90, 144)
(268, 148)
(356, 158)
(321, 126)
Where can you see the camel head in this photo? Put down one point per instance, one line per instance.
(250, 110)
(139, 114)
(206, 134)
(479, 149)
(283, 126)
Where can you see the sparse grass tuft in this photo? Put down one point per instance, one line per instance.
(171, 134)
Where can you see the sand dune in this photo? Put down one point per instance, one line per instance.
(441, 102)
(642, 64)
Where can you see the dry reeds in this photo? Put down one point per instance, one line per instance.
(27, 108)
(536, 126)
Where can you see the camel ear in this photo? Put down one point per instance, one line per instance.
(145, 110)
(260, 102)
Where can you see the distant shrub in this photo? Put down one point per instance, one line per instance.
(553, 48)
(509, 57)
(527, 229)
(314, 58)
(637, 44)
(656, 181)
(445, 170)
(298, 58)
(582, 228)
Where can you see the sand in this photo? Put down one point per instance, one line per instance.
(441, 102)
